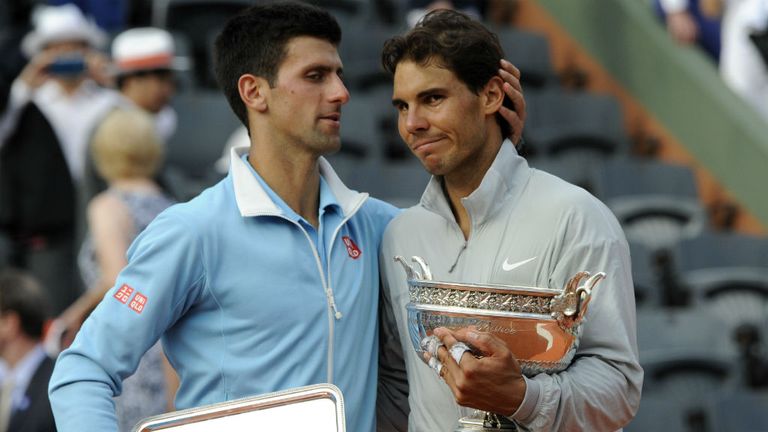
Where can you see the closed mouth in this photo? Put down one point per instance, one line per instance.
(425, 141)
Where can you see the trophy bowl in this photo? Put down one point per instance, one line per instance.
(540, 326)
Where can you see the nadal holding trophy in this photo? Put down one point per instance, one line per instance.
(516, 309)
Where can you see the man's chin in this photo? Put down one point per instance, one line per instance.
(331, 145)
(432, 166)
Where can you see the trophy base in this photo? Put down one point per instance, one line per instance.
(481, 421)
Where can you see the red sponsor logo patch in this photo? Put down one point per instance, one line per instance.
(123, 294)
(138, 303)
(352, 249)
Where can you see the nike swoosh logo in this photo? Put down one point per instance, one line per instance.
(508, 267)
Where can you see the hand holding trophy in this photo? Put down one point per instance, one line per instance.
(476, 336)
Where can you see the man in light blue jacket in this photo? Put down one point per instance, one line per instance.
(269, 279)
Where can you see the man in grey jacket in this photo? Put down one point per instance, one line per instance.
(487, 217)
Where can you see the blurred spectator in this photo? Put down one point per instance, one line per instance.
(127, 152)
(687, 24)
(741, 64)
(143, 59)
(53, 107)
(24, 405)
(143, 66)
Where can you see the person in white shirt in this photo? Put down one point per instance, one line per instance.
(53, 107)
(65, 78)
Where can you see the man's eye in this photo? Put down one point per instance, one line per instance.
(315, 77)
(432, 99)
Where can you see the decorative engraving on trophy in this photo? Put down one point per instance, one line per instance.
(442, 296)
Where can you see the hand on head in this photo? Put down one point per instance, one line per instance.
(516, 118)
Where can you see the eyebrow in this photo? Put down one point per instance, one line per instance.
(323, 68)
(421, 94)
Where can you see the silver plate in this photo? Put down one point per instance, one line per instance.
(317, 408)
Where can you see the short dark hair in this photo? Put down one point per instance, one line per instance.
(21, 293)
(254, 40)
(455, 41)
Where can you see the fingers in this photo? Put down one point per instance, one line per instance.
(510, 68)
(483, 343)
(515, 123)
(35, 72)
(514, 91)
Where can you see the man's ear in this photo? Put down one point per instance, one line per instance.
(253, 92)
(493, 95)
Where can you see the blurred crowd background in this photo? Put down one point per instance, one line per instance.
(109, 112)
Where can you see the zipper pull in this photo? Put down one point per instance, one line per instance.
(336, 312)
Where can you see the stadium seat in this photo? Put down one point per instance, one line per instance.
(686, 354)
(562, 122)
(727, 272)
(740, 412)
(664, 413)
(197, 20)
(645, 276)
(362, 55)
(530, 53)
(205, 121)
(656, 203)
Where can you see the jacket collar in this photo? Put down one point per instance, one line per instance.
(505, 180)
(253, 200)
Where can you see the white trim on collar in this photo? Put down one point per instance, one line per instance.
(253, 200)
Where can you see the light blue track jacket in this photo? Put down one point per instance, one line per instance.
(243, 299)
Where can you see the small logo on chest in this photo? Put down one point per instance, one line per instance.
(506, 266)
(352, 249)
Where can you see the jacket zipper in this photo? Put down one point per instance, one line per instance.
(325, 278)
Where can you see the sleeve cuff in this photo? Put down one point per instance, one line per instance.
(530, 401)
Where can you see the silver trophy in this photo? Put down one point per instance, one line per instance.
(540, 326)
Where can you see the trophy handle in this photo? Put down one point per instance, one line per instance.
(584, 293)
(570, 306)
(420, 273)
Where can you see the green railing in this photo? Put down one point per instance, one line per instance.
(679, 86)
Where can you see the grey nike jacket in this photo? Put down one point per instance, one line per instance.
(527, 228)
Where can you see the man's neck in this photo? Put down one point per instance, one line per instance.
(466, 179)
(294, 178)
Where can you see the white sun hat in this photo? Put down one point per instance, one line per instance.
(144, 48)
(60, 24)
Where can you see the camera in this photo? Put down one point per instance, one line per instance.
(69, 66)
